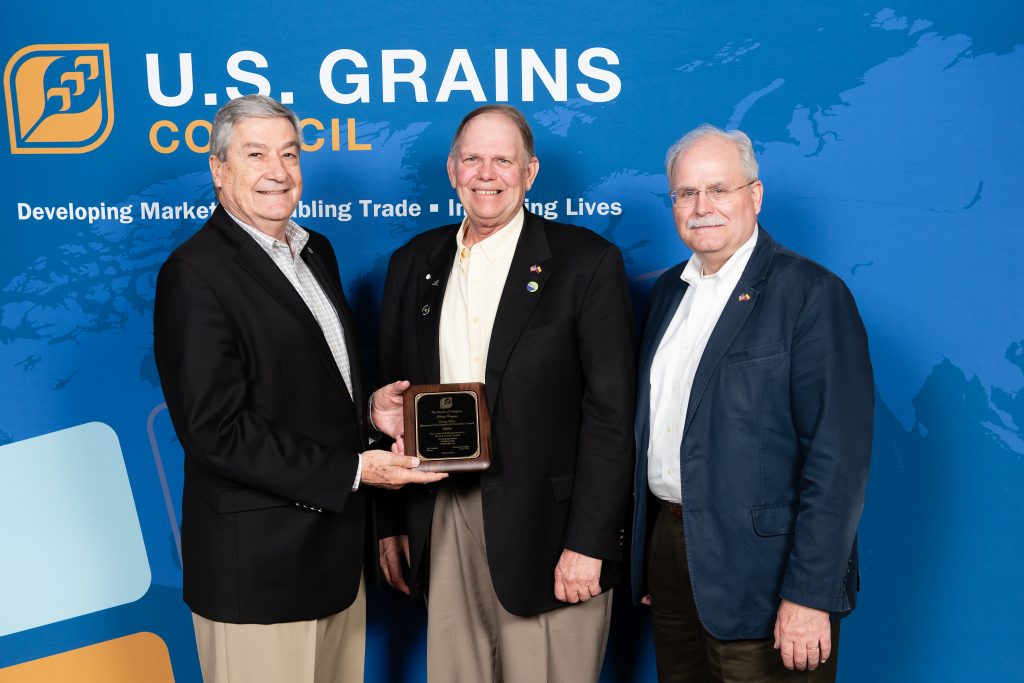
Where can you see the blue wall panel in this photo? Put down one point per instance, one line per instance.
(889, 139)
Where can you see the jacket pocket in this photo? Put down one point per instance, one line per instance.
(561, 487)
(244, 500)
(755, 355)
(537, 334)
(774, 520)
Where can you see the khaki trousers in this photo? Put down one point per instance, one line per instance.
(683, 651)
(470, 636)
(328, 650)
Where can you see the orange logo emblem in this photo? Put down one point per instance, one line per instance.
(59, 98)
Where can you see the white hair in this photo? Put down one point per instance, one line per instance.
(743, 145)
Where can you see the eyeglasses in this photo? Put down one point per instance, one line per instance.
(716, 194)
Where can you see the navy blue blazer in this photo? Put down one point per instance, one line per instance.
(776, 445)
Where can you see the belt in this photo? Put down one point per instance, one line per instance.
(674, 509)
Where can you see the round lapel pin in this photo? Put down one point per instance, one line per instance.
(532, 286)
(425, 310)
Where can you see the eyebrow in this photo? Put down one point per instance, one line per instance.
(260, 145)
(714, 183)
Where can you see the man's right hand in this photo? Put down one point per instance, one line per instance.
(392, 471)
(392, 550)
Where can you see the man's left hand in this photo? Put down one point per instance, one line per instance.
(386, 414)
(577, 577)
(803, 635)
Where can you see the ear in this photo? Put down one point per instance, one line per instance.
(451, 170)
(532, 168)
(758, 190)
(215, 170)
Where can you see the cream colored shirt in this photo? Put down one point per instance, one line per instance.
(471, 301)
(676, 360)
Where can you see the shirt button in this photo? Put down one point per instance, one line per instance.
(476, 320)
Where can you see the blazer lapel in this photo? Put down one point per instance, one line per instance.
(331, 288)
(251, 257)
(431, 282)
(737, 309)
(523, 290)
(662, 312)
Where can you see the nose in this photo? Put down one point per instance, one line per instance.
(703, 205)
(487, 170)
(274, 169)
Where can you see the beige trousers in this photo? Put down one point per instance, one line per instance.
(470, 636)
(328, 650)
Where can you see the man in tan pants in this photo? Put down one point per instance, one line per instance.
(254, 344)
(517, 562)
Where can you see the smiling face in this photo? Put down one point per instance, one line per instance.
(491, 173)
(714, 231)
(259, 181)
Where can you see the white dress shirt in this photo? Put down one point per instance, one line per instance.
(676, 360)
(471, 301)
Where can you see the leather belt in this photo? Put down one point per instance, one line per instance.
(674, 509)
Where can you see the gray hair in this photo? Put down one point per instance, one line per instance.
(247, 107)
(743, 145)
(505, 110)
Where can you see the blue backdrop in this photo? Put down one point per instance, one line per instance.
(889, 139)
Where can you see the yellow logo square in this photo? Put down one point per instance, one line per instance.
(59, 98)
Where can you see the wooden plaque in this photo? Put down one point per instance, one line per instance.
(448, 427)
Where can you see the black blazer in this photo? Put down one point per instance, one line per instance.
(271, 531)
(559, 382)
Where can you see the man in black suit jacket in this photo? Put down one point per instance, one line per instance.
(516, 562)
(254, 344)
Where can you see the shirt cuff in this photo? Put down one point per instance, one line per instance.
(369, 419)
(359, 471)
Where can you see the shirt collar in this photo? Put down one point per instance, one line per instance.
(693, 273)
(499, 246)
(296, 237)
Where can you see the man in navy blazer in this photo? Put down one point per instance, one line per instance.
(753, 432)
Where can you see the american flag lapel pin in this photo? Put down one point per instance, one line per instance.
(535, 269)
(743, 297)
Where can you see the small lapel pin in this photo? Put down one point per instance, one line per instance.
(427, 277)
(435, 283)
(743, 297)
(535, 269)
(532, 286)
(425, 310)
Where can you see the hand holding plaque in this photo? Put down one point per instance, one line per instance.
(448, 427)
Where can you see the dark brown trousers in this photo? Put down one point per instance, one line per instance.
(684, 651)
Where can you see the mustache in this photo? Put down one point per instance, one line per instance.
(704, 222)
